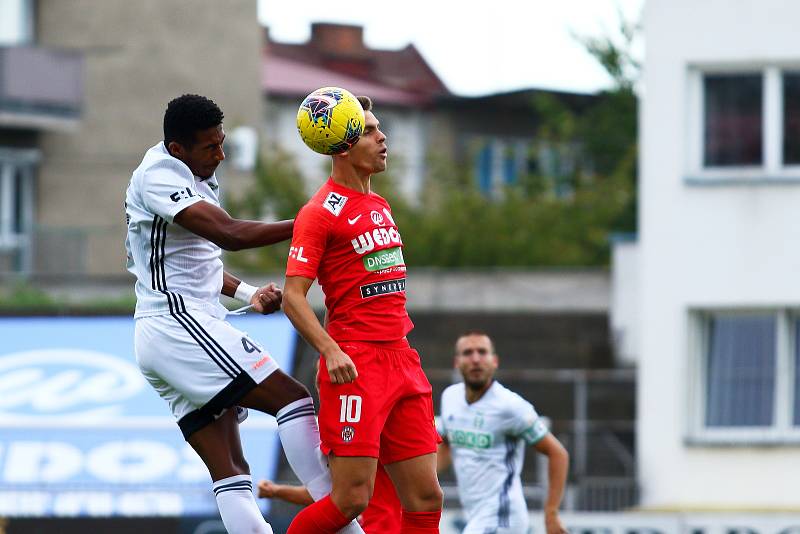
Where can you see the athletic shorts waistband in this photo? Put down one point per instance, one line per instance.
(395, 344)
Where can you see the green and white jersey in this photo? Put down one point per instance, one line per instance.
(487, 441)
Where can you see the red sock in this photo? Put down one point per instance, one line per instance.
(322, 517)
(421, 522)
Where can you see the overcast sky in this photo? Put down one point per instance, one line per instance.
(475, 50)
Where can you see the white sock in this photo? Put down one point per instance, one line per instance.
(238, 507)
(299, 433)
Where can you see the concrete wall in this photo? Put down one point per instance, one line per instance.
(139, 55)
(706, 244)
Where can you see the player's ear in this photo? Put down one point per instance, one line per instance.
(176, 149)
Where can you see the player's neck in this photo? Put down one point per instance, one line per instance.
(474, 395)
(351, 178)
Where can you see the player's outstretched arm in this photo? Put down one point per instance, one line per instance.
(214, 223)
(265, 299)
(291, 494)
(341, 368)
(557, 468)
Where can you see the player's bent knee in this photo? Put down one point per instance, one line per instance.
(351, 501)
(426, 499)
(241, 465)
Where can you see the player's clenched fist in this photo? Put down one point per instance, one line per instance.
(267, 299)
(341, 368)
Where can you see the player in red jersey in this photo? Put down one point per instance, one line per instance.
(375, 400)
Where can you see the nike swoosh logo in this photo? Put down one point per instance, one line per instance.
(354, 220)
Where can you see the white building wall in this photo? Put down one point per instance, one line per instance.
(624, 310)
(708, 245)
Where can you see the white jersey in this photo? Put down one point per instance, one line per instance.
(174, 268)
(487, 441)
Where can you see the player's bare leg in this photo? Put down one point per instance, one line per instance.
(289, 401)
(219, 446)
(419, 491)
(353, 483)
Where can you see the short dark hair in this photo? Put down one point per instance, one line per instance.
(476, 332)
(366, 102)
(187, 115)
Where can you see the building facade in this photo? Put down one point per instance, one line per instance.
(133, 57)
(716, 325)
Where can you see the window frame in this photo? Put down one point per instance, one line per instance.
(772, 168)
(782, 431)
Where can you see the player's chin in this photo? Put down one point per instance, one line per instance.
(475, 383)
(207, 171)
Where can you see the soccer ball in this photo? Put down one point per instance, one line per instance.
(330, 120)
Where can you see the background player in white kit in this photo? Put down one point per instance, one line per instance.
(200, 364)
(485, 428)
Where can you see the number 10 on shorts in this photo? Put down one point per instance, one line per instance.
(351, 409)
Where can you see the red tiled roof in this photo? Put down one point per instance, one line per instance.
(291, 78)
(338, 52)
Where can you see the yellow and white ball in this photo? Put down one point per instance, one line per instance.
(330, 120)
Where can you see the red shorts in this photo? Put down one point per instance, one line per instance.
(386, 413)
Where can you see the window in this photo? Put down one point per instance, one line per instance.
(503, 162)
(732, 120)
(740, 371)
(791, 118)
(742, 392)
(16, 208)
(744, 123)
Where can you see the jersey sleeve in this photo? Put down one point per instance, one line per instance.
(309, 240)
(440, 428)
(167, 190)
(525, 422)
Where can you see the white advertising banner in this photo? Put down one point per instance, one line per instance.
(654, 523)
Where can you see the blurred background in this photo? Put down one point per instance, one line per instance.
(606, 188)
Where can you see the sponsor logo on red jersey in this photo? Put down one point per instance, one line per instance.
(377, 236)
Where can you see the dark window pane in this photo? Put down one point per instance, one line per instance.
(732, 122)
(18, 189)
(791, 118)
(510, 168)
(740, 377)
(485, 168)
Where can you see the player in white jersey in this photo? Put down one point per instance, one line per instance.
(200, 364)
(485, 428)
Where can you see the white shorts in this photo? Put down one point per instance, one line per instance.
(199, 364)
(516, 523)
(512, 529)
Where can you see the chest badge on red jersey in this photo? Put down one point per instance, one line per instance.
(377, 218)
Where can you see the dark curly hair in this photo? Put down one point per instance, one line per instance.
(187, 115)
